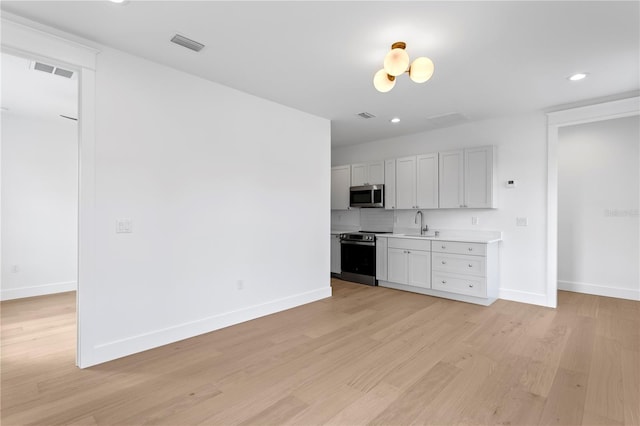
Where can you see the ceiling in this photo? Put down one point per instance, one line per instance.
(491, 58)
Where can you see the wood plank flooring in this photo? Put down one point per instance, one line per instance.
(367, 355)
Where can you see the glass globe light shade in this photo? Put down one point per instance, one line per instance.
(382, 82)
(421, 70)
(396, 62)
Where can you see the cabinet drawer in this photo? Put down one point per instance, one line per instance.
(455, 247)
(410, 244)
(469, 285)
(459, 264)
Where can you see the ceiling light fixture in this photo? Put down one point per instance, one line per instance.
(579, 76)
(395, 120)
(396, 62)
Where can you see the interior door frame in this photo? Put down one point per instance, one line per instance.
(555, 120)
(29, 39)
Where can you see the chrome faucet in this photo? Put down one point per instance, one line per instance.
(422, 229)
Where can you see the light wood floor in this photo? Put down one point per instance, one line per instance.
(367, 355)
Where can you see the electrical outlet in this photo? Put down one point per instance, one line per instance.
(474, 220)
(15, 268)
(240, 284)
(522, 221)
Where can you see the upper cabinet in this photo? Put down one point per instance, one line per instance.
(390, 184)
(467, 178)
(417, 182)
(340, 183)
(451, 179)
(463, 178)
(367, 173)
(480, 180)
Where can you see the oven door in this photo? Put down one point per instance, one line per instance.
(358, 261)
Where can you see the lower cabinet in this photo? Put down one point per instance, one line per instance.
(335, 254)
(457, 270)
(409, 262)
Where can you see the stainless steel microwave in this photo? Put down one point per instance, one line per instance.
(366, 196)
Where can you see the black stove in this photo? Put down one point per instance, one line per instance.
(358, 256)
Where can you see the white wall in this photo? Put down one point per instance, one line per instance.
(221, 187)
(39, 205)
(598, 204)
(521, 155)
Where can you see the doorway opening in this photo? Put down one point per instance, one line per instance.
(628, 107)
(598, 203)
(39, 164)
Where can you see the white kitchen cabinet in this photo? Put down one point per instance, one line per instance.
(468, 269)
(427, 181)
(451, 179)
(381, 258)
(335, 254)
(417, 182)
(406, 183)
(480, 179)
(367, 173)
(409, 262)
(467, 178)
(340, 183)
(459, 270)
(390, 184)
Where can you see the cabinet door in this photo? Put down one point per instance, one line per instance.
(359, 174)
(478, 177)
(376, 173)
(340, 182)
(397, 265)
(390, 184)
(427, 181)
(406, 183)
(451, 179)
(419, 268)
(335, 254)
(381, 259)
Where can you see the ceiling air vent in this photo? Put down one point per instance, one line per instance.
(365, 115)
(187, 42)
(50, 69)
(446, 120)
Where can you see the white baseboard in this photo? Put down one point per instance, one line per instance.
(523, 297)
(37, 290)
(130, 345)
(600, 290)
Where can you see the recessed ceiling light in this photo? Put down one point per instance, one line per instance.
(119, 1)
(395, 120)
(578, 76)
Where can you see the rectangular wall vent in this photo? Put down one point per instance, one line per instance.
(187, 42)
(63, 73)
(50, 69)
(365, 115)
(38, 66)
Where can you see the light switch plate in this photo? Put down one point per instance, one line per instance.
(474, 220)
(522, 221)
(124, 226)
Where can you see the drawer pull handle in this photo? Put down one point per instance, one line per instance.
(444, 281)
(470, 285)
(470, 248)
(444, 263)
(444, 247)
(470, 266)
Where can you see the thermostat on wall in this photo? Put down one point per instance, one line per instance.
(512, 184)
